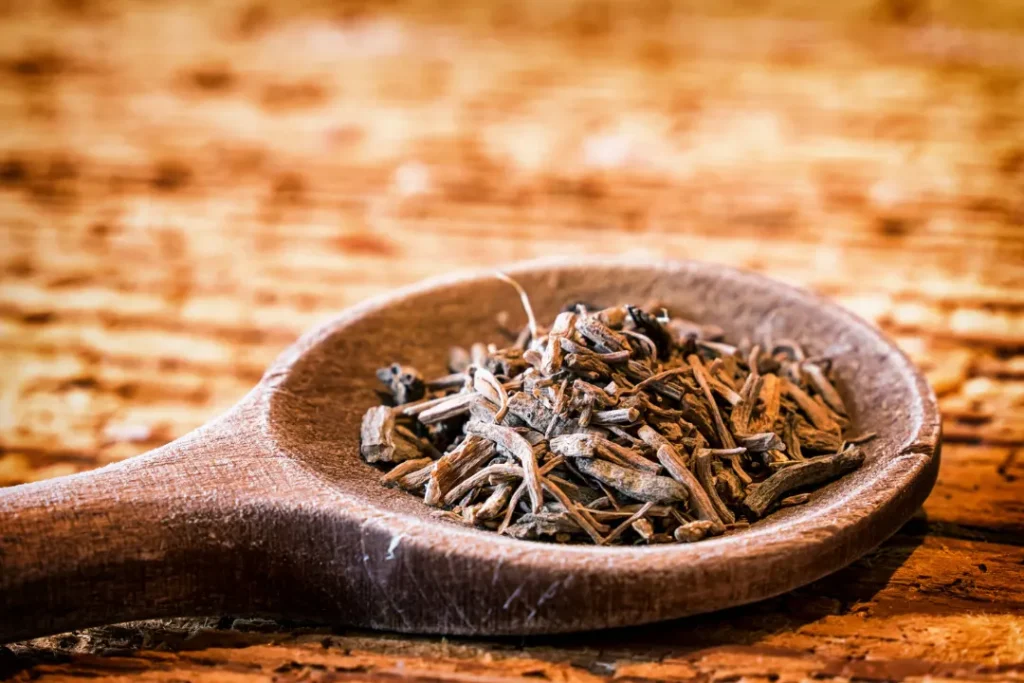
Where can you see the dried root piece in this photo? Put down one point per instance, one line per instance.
(730, 487)
(691, 532)
(489, 474)
(570, 509)
(404, 382)
(759, 443)
(403, 470)
(448, 408)
(724, 435)
(816, 440)
(628, 523)
(771, 401)
(534, 525)
(807, 473)
(707, 482)
(525, 298)
(561, 329)
(798, 499)
(458, 464)
(380, 440)
(515, 445)
(815, 412)
(490, 508)
(825, 389)
(592, 446)
(699, 499)
(537, 415)
(604, 338)
(636, 485)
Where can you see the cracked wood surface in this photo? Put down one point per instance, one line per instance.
(184, 189)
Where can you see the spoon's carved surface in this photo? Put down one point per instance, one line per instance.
(270, 510)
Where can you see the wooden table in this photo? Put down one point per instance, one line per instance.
(185, 187)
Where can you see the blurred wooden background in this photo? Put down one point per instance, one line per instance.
(185, 187)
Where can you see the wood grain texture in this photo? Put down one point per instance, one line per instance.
(185, 189)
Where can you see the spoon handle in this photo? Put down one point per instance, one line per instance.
(138, 539)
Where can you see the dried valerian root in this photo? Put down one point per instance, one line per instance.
(614, 425)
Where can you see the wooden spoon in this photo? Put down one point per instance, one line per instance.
(269, 509)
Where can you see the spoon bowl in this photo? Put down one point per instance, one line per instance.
(270, 510)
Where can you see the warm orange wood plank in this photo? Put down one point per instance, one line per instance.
(186, 187)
